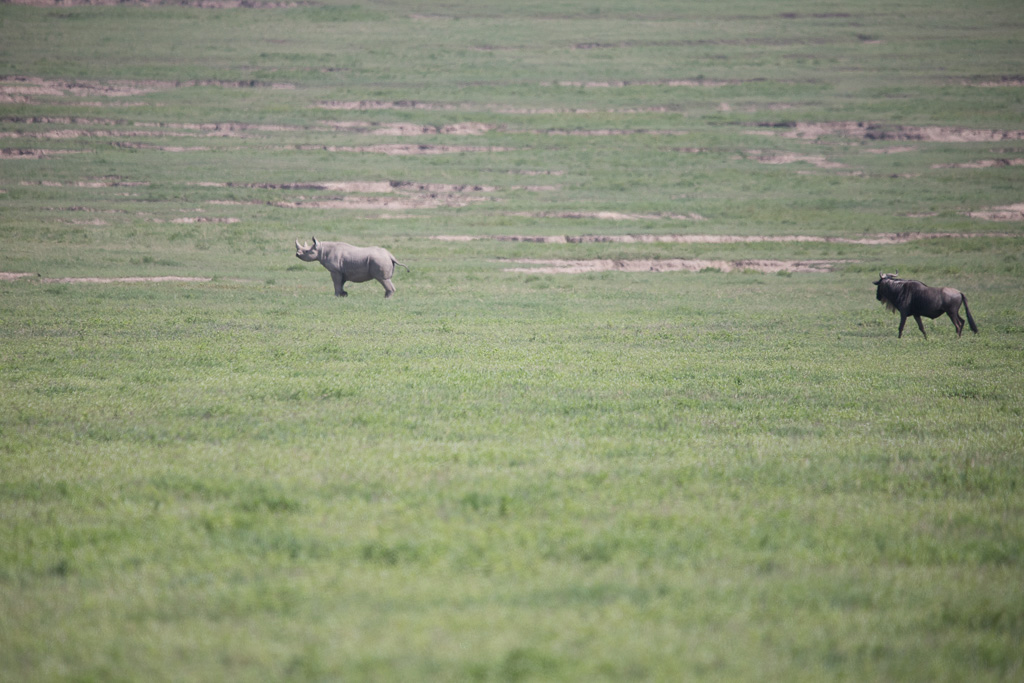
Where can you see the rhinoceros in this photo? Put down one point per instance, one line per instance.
(352, 264)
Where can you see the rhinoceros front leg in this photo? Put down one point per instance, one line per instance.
(339, 283)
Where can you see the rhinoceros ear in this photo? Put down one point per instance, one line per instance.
(314, 242)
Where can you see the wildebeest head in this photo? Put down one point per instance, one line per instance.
(307, 253)
(886, 276)
(885, 289)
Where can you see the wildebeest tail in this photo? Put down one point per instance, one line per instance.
(970, 318)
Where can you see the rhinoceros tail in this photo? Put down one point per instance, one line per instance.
(400, 264)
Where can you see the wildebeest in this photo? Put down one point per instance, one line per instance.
(913, 298)
(352, 264)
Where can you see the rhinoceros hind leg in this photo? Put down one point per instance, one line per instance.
(389, 288)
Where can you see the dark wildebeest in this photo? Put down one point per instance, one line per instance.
(913, 298)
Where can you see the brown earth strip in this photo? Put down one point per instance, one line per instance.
(608, 215)
(667, 83)
(159, 148)
(372, 203)
(1013, 212)
(404, 150)
(775, 158)
(878, 131)
(402, 195)
(94, 184)
(560, 266)
(370, 187)
(411, 105)
(882, 239)
(196, 4)
(35, 153)
(71, 134)
(24, 85)
(409, 129)
(165, 131)
(606, 132)
(203, 219)
(381, 105)
(985, 163)
(1003, 82)
(9, 277)
(61, 121)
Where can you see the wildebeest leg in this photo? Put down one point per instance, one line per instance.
(920, 325)
(339, 283)
(389, 288)
(903, 321)
(958, 322)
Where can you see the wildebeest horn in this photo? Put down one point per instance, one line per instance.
(297, 245)
(880, 273)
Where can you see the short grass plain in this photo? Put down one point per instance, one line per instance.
(501, 475)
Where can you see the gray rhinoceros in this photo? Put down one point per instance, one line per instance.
(352, 264)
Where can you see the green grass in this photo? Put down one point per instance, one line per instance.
(499, 475)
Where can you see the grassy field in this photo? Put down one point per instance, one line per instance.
(683, 442)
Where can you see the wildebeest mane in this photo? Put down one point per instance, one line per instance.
(895, 294)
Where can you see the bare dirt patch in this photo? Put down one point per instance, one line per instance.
(365, 195)
(35, 153)
(197, 4)
(405, 150)
(609, 215)
(369, 187)
(877, 131)
(215, 130)
(536, 173)
(204, 219)
(94, 184)
(665, 83)
(606, 132)
(177, 149)
(881, 239)
(60, 120)
(1013, 212)
(381, 105)
(559, 266)
(1001, 82)
(891, 150)
(71, 134)
(22, 86)
(426, 201)
(985, 163)
(776, 158)
(8, 277)
(409, 129)
(224, 130)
